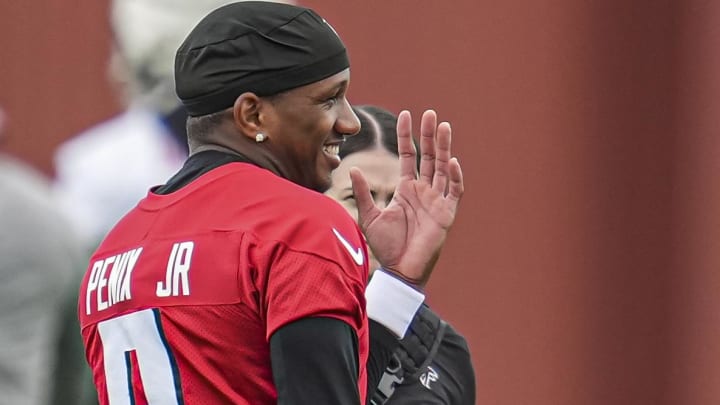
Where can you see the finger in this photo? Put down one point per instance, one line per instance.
(457, 186)
(428, 127)
(367, 210)
(406, 148)
(442, 157)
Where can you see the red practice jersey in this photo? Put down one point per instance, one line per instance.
(180, 300)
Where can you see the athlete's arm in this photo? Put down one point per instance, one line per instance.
(383, 344)
(315, 360)
(454, 357)
(435, 367)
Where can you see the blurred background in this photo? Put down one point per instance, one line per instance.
(584, 267)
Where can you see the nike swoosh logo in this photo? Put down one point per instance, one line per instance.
(357, 255)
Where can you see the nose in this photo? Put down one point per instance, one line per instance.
(347, 122)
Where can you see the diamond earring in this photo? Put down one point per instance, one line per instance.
(259, 137)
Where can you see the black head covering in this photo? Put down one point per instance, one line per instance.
(254, 46)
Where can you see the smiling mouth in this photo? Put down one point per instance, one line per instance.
(333, 149)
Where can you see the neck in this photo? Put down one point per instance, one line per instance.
(257, 153)
(212, 146)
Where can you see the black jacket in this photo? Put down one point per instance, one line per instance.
(432, 366)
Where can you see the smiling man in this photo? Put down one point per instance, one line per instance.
(237, 281)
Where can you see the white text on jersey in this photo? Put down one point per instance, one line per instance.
(117, 282)
(176, 275)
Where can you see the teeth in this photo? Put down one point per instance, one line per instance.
(332, 149)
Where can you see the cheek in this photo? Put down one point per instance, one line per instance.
(316, 126)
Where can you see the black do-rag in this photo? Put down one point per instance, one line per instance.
(254, 46)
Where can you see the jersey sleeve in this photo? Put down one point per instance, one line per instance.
(316, 267)
(301, 285)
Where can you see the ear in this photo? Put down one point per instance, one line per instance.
(248, 114)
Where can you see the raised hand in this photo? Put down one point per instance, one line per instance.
(408, 234)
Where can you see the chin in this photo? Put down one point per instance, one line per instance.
(322, 185)
(319, 184)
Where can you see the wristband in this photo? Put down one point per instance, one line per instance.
(392, 302)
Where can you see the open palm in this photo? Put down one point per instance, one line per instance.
(408, 234)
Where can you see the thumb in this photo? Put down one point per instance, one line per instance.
(367, 210)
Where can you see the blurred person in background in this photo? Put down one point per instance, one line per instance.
(445, 375)
(104, 171)
(39, 259)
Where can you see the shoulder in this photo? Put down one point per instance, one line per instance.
(317, 224)
(279, 212)
(284, 193)
(295, 214)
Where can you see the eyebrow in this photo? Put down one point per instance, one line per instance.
(321, 94)
(340, 86)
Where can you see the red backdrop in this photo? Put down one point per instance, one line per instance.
(583, 266)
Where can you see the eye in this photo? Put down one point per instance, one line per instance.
(333, 99)
(349, 201)
(330, 102)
